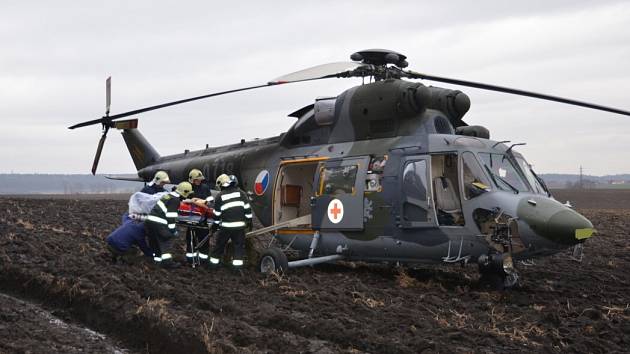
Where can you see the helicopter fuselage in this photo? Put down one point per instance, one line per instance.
(384, 177)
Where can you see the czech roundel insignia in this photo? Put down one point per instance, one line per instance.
(261, 183)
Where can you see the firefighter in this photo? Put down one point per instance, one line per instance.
(157, 183)
(232, 214)
(203, 197)
(161, 224)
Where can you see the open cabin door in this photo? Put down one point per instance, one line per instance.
(337, 202)
(415, 198)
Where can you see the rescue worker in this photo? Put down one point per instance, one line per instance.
(121, 241)
(203, 197)
(157, 183)
(161, 225)
(232, 214)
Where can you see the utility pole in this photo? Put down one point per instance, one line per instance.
(581, 184)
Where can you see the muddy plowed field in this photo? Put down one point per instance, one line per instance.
(52, 255)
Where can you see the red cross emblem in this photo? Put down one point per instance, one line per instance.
(335, 211)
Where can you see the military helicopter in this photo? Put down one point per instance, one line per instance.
(387, 171)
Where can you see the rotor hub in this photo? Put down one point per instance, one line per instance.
(380, 57)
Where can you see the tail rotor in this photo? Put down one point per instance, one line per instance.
(106, 123)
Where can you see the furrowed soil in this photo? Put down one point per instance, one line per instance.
(52, 257)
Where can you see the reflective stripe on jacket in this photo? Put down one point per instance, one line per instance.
(232, 209)
(165, 212)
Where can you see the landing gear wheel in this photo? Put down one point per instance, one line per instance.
(495, 276)
(510, 280)
(273, 260)
(499, 280)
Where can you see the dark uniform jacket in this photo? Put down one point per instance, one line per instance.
(153, 189)
(202, 191)
(165, 212)
(232, 209)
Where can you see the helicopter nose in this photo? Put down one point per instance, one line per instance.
(554, 221)
(569, 227)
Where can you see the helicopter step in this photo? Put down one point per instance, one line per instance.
(458, 258)
(302, 220)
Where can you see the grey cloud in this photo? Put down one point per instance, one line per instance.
(56, 57)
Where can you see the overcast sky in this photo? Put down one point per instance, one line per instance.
(55, 57)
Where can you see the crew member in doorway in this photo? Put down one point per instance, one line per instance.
(232, 214)
(161, 224)
(157, 183)
(203, 197)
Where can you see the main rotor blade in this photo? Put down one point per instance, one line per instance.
(330, 70)
(324, 71)
(416, 75)
(107, 120)
(97, 157)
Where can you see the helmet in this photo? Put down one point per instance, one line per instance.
(160, 177)
(184, 189)
(223, 181)
(195, 174)
(233, 180)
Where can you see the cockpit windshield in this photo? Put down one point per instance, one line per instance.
(532, 178)
(503, 172)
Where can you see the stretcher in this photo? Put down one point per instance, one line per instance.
(193, 215)
(195, 218)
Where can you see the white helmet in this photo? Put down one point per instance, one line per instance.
(184, 189)
(160, 177)
(195, 174)
(223, 181)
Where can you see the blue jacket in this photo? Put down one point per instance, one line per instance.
(130, 233)
(152, 189)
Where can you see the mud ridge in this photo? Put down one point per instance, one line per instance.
(29, 328)
(139, 332)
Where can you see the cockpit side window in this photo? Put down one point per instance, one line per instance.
(527, 170)
(474, 179)
(531, 176)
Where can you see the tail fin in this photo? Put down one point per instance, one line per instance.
(142, 153)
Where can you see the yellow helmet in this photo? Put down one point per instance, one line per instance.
(184, 189)
(195, 174)
(223, 181)
(160, 177)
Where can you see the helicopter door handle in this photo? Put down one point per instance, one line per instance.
(532, 202)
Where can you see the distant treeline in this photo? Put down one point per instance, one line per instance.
(88, 184)
(557, 180)
(63, 184)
